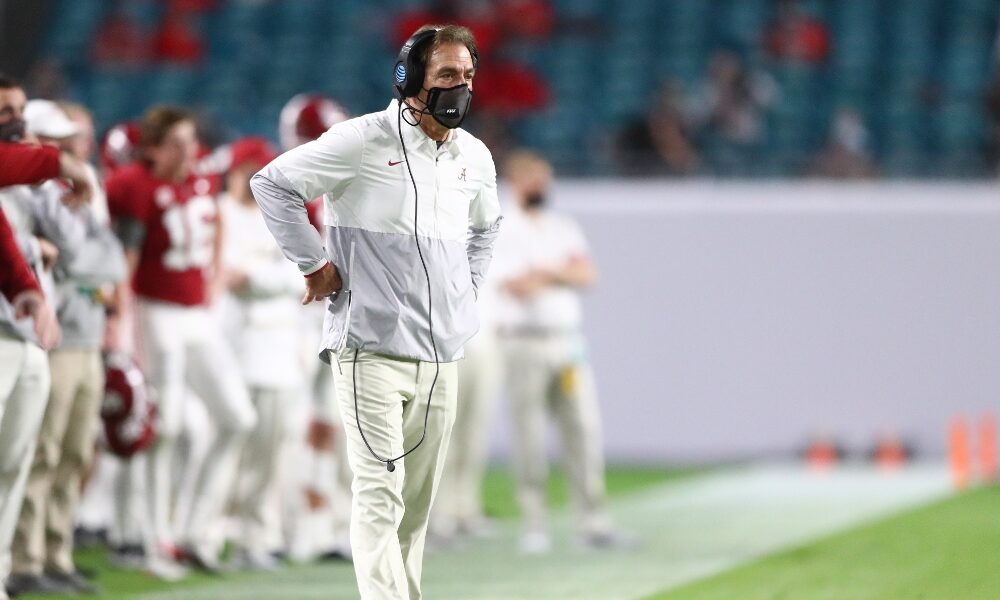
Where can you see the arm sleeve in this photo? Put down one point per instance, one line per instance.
(57, 223)
(100, 259)
(484, 226)
(282, 188)
(24, 164)
(125, 211)
(15, 276)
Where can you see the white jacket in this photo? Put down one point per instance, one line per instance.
(360, 169)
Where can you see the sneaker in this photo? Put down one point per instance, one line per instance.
(535, 542)
(19, 584)
(247, 560)
(201, 561)
(336, 553)
(85, 537)
(75, 581)
(165, 568)
(127, 556)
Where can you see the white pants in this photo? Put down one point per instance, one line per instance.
(390, 511)
(259, 469)
(549, 375)
(24, 392)
(183, 345)
(459, 503)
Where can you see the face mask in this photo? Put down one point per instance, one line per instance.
(535, 200)
(12, 131)
(449, 106)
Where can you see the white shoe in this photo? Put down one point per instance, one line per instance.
(165, 568)
(535, 542)
(246, 560)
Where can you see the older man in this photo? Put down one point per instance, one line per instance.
(411, 214)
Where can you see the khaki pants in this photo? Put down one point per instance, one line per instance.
(459, 504)
(390, 510)
(24, 391)
(44, 537)
(547, 374)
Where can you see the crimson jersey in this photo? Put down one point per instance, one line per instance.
(180, 221)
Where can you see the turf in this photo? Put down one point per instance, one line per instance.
(500, 502)
(498, 495)
(948, 550)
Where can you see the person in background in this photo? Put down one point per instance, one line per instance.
(169, 223)
(660, 142)
(262, 314)
(543, 263)
(797, 37)
(28, 328)
(847, 154)
(318, 512)
(458, 511)
(43, 543)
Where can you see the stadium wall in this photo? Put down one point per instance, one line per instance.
(737, 319)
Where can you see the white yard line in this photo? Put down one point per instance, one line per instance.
(690, 530)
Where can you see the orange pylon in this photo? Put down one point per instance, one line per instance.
(988, 448)
(958, 452)
(890, 454)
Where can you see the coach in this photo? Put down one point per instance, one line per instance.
(411, 215)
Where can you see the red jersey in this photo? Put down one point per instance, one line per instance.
(180, 222)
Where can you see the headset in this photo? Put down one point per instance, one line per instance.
(408, 74)
(408, 80)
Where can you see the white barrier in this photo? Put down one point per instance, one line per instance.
(736, 319)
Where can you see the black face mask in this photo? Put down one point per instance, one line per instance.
(535, 200)
(12, 131)
(449, 106)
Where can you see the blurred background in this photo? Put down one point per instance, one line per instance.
(721, 88)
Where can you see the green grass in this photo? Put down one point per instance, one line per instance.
(500, 501)
(498, 495)
(948, 550)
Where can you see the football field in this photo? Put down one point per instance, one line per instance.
(700, 537)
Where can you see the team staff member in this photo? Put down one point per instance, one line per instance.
(376, 172)
(43, 542)
(542, 265)
(169, 224)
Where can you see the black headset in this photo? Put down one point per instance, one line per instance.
(408, 75)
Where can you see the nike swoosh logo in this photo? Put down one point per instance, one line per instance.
(393, 164)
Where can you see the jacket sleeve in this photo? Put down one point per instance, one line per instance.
(15, 276)
(100, 259)
(484, 226)
(282, 188)
(25, 164)
(57, 223)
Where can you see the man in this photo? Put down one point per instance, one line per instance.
(168, 222)
(382, 272)
(24, 376)
(262, 313)
(44, 538)
(543, 264)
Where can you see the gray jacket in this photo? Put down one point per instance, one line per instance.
(360, 169)
(98, 262)
(38, 210)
